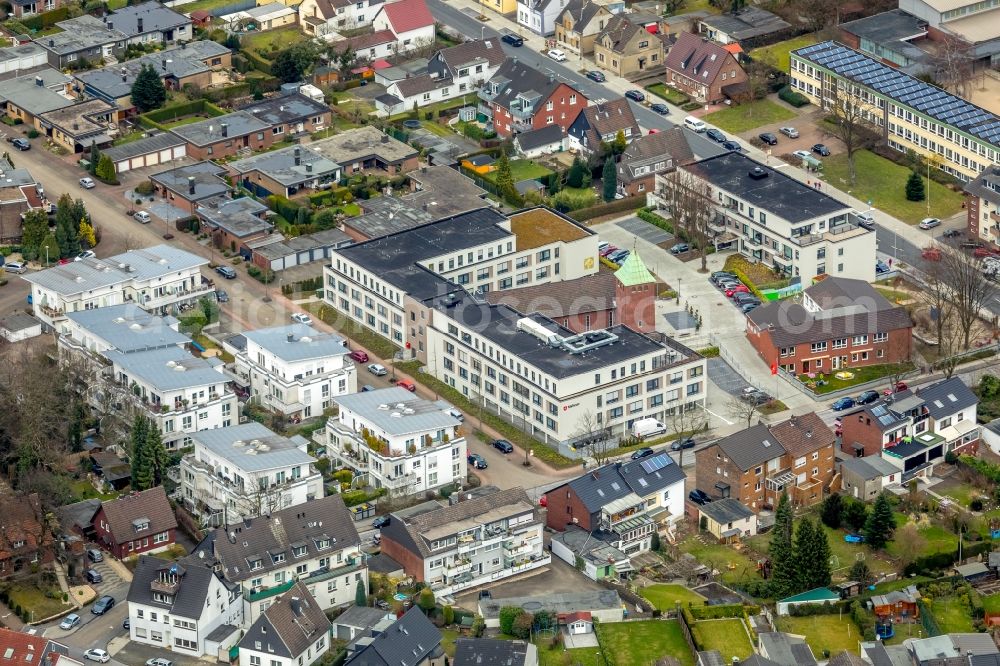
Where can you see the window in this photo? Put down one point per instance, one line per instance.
(818, 347)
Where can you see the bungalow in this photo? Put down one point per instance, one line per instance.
(136, 523)
(543, 141)
(285, 172)
(369, 46)
(750, 26)
(601, 560)
(728, 519)
(185, 186)
(366, 148)
(84, 40)
(291, 115)
(78, 127)
(151, 23)
(28, 96)
(236, 223)
(410, 21)
(226, 135)
(262, 17)
(599, 125)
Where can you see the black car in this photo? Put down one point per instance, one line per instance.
(635, 95)
(642, 453)
(477, 461)
(686, 443)
(103, 605)
(594, 75)
(718, 275)
(503, 446)
(93, 576)
(768, 138)
(952, 233)
(485, 594)
(380, 522)
(513, 40)
(226, 272)
(821, 150)
(741, 299)
(733, 146)
(699, 497)
(221, 296)
(21, 144)
(661, 109)
(716, 135)
(867, 397)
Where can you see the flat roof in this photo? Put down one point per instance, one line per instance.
(252, 447)
(169, 369)
(149, 144)
(240, 217)
(536, 227)
(362, 142)
(775, 192)
(555, 602)
(298, 342)
(397, 411)
(288, 166)
(79, 119)
(129, 328)
(286, 108)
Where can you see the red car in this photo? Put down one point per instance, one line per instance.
(738, 289)
(931, 254)
(407, 384)
(900, 386)
(608, 250)
(982, 252)
(359, 356)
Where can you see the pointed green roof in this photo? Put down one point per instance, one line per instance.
(633, 272)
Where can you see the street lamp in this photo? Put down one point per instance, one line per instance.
(928, 188)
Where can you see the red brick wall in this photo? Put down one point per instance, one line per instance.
(897, 349)
(742, 485)
(231, 145)
(121, 550)
(563, 506)
(637, 306)
(860, 428)
(633, 189)
(412, 563)
(850, 39)
(598, 319)
(563, 112)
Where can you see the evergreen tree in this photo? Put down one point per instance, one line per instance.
(781, 552)
(76, 426)
(854, 513)
(426, 600)
(63, 240)
(95, 157)
(105, 170)
(574, 178)
(33, 233)
(880, 523)
(505, 181)
(609, 180)
(360, 594)
(148, 92)
(861, 573)
(831, 511)
(48, 251)
(803, 555)
(822, 575)
(155, 454)
(142, 468)
(68, 226)
(620, 144)
(915, 187)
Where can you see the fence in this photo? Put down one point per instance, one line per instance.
(928, 620)
(686, 630)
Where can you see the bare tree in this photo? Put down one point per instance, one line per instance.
(852, 121)
(259, 498)
(744, 410)
(954, 65)
(936, 294)
(690, 204)
(594, 436)
(970, 290)
(684, 422)
(818, 13)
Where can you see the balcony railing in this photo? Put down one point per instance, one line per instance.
(177, 296)
(165, 587)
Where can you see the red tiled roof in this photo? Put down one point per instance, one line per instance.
(407, 15)
(570, 618)
(733, 48)
(27, 649)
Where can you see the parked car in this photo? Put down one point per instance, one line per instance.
(729, 284)
(982, 252)
(359, 356)
(226, 271)
(866, 220)
(377, 369)
(608, 250)
(15, 267)
(407, 384)
(93, 576)
(87, 183)
(754, 395)
(556, 55)
(803, 154)
(843, 403)
(900, 386)
(366, 388)
(679, 248)
(768, 138)
(952, 233)
(97, 654)
(486, 594)
(95, 555)
(699, 497)
(881, 266)
(733, 146)
(737, 289)
(715, 135)
(821, 150)
(594, 75)
(602, 245)
(21, 144)
(635, 95)
(476, 461)
(86, 254)
(866, 397)
(661, 109)
(126, 625)
(931, 253)
(302, 318)
(642, 453)
(513, 40)
(103, 605)
(159, 661)
(221, 296)
(618, 256)
(503, 446)
(686, 443)
(929, 223)
(380, 522)
(790, 132)
(745, 308)
(718, 275)
(70, 621)
(142, 217)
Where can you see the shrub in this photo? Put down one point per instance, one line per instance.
(507, 616)
(33, 133)
(793, 97)
(145, 187)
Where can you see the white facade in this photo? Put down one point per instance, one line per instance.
(406, 40)
(347, 16)
(295, 370)
(312, 654)
(401, 442)
(539, 16)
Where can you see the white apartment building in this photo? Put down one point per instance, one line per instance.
(316, 544)
(154, 278)
(398, 440)
(791, 227)
(244, 471)
(295, 370)
(325, 18)
(386, 284)
(474, 542)
(554, 383)
(184, 607)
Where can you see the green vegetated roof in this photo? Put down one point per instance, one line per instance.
(633, 272)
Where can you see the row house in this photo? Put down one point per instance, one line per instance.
(579, 23)
(244, 471)
(520, 98)
(476, 541)
(649, 156)
(325, 18)
(139, 522)
(703, 70)
(621, 504)
(315, 544)
(757, 465)
(397, 440)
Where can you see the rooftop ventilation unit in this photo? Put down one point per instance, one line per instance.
(588, 341)
(757, 173)
(532, 327)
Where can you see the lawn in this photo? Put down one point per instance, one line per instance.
(195, 6)
(823, 632)
(523, 170)
(952, 615)
(665, 597)
(35, 600)
(862, 374)
(627, 643)
(732, 565)
(938, 539)
(884, 183)
(728, 636)
(675, 97)
(745, 117)
(845, 553)
(371, 341)
(281, 38)
(82, 489)
(437, 128)
(777, 54)
(991, 603)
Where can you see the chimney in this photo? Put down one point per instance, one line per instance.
(76, 126)
(291, 337)
(385, 138)
(809, 434)
(39, 81)
(164, 64)
(190, 184)
(225, 129)
(111, 26)
(138, 25)
(298, 157)
(52, 42)
(309, 167)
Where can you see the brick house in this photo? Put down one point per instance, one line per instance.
(25, 539)
(520, 98)
(837, 323)
(627, 48)
(600, 124)
(579, 23)
(650, 155)
(702, 69)
(136, 523)
(226, 135)
(582, 304)
(756, 465)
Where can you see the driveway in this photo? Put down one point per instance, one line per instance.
(810, 133)
(558, 576)
(646, 231)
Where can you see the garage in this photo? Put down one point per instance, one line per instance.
(150, 151)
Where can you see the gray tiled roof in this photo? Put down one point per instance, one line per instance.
(751, 447)
(491, 652)
(298, 342)
(150, 144)
(286, 109)
(128, 328)
(749, 22)
(26, 93)
(409, 640)
(726, 510)
(361, 617)
(208, 181)
(382, 408)
(605, 484)
(986, 185)
(785, 649)
(947, 397)
(289, 166)
(869, 467)
(280, 451)
(80, 34)
(518, 78)
(155, 18)
(290, 625)
(206, 132)
(320, 519)
(190, 599)
(170, 369)
(240, 217)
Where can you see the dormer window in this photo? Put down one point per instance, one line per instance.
(140, 524)
(277, 558)
(323, 543)
(255, 564)
(298, 551)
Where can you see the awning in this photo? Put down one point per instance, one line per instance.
(731, 533)
(621, 504)
(659, 513)
(958, 430)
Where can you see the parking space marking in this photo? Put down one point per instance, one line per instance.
(645, 230)
(725, 377)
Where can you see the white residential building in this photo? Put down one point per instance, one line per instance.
(325, 18)
(316, 544)
(244, 471)
(539, 16)
(400, 441)
(777, 220)
(295, 370)
(409, 20)
(293, 631)
(184, 607)
(387, 284)
(155, 279)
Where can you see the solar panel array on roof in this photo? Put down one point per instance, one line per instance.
(655, 463)
(923, 97)
(882, 414)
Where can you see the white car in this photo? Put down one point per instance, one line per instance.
(87, 183)
(790, 132)
(159, 661)
(14, 267)
(97, 654)
(86, 254)
(142, 217)
(302, 318)
(556, 55)
(377, 369)
(802, 153)
(929, 223)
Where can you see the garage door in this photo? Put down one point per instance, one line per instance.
(152, 159)
(123, 166)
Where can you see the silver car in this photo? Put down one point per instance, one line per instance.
(790, 132)
(87, 183)
(929, 223)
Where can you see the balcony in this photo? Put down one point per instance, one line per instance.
(176, 296)
(51, 313)
(165, 586)
(995, 216)
(753, 241)
(279, 405)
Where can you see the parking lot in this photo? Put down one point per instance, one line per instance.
(722, 375)
(558, 576)
(646, 231)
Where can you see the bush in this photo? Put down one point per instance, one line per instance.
(507, 616)
(33, 133)
(145, 187)
(793, 97)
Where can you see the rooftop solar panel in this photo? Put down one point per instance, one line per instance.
(655, 463)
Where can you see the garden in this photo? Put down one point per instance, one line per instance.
(777, 55)
(735, 567)
(522, 170)
(825, 634)
(822, 383)
(666, 597)
(745, 117)
(727, 635)
(35, 602)
(667, 94)
(628, 643)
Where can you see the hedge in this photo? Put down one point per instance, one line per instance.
(617, 206)
(283, 207)
(46, 19)
(169, 113)
(333, 197)
(938, 561)
(793, 97)
(257, 61)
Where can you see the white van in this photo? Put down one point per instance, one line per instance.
(644, 428)
(694, 124)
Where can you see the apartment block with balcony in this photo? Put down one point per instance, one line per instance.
(982, 206)
(779, 221)
(387, 284)
(316, 544)
(757, 465)
(556, 384)
(244, 471)
(959, 137)
(397, 440)
(295, 370)
(473, 542)
(155, 279)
